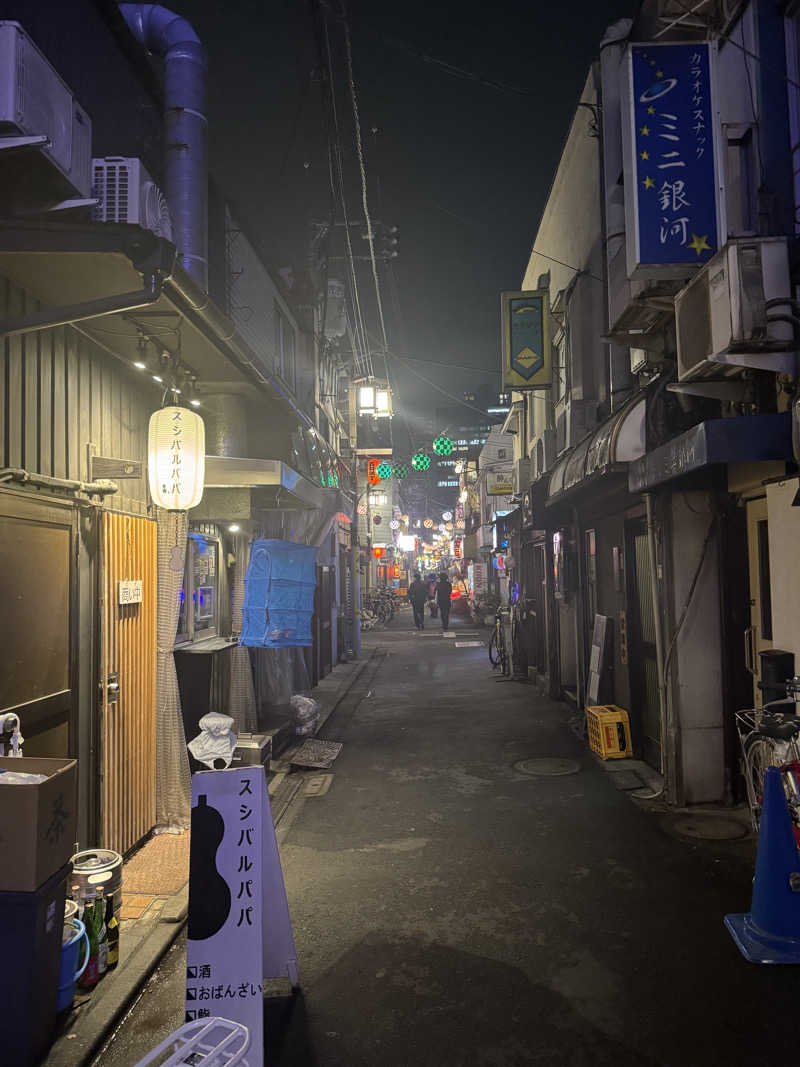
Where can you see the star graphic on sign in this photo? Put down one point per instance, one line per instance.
(645, 131)
(659, 73)
(648, 183)
(644, 155)
(651, 110)
(652, 62)
(700, 244)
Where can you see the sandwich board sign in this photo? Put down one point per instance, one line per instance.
(239, 929)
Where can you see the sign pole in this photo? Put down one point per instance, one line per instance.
(240, 931)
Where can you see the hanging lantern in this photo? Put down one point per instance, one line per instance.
(176, 458)
(421, 461)
(362, 509)
(384, 470)
(394, 524)
(443, 445)
(447, 515)
(449, 526)
(377, 520)
(428, 524)
(460, 524)
(400, 470)
(404, 518)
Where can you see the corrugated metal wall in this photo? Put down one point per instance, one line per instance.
(128, 794)
(58, 393)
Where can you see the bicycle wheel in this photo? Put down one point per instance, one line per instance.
(495, 654)
(505, 666)
(761, 752)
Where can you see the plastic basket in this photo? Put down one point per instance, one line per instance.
(609, 731)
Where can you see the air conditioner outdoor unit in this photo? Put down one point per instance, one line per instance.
(35, 102)
(725, 318)
(127, 193)
(521, 475)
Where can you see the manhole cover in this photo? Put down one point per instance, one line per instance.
(547, 768)
(705, 827)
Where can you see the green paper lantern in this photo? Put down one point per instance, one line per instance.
(443, 445)
(333, 480)
(384, 471)
(400, 470)
(421, 461)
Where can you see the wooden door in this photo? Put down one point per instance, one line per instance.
(128, 680)
(758, 635)
(38, 624)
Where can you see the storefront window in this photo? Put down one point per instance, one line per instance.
(199, 602)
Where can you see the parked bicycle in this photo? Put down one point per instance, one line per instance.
(498, 652)
(769, 738)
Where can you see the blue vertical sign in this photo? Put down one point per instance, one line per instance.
(672, 156)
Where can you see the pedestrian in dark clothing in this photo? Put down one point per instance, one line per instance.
(443, 591)
(418, 594)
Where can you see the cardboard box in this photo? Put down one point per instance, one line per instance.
(37, 822)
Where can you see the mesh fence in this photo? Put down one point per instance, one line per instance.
(173, 780)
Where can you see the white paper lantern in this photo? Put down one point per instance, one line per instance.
(176, 458)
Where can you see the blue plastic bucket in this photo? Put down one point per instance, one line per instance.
(70, 972)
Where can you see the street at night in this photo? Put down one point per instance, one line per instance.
(450, 908)
(399, 511)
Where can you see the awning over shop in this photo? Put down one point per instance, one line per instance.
(619, 440)
(242, 488)
(741, 439)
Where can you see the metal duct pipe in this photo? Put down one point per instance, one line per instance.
(611, 50)
(171, 36)
(225, 417)
(663, 703)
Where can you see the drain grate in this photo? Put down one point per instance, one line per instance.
(548, 767)
(318, 754)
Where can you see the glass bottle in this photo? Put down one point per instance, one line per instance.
(102, 933)
(90, 976)
(113, 932)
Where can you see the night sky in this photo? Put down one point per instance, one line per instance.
(460, 167)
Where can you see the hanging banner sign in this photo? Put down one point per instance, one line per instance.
(239, 927)
(499, 484)
(525, 328)
(671, 164)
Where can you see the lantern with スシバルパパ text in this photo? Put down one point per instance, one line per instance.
(176, 458)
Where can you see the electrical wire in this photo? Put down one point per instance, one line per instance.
(451, 68)
(438, 388)
(360, 152)
(354, 295)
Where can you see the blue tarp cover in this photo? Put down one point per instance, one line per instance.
(279, 595)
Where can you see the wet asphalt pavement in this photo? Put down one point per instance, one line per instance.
(450, 909)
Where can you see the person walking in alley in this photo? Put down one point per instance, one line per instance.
(443, 592)
(418, 595)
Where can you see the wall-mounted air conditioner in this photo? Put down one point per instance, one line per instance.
(35, 102)
(521, 475)
(726, 317)
(126, 193)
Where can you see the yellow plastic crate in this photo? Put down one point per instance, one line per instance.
(609, 731)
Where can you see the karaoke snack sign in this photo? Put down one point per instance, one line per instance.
(672, 181)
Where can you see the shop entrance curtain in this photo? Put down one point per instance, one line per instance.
(173, 778)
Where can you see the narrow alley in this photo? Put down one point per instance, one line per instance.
(450, 908)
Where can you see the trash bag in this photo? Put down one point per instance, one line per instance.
(306, 715)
